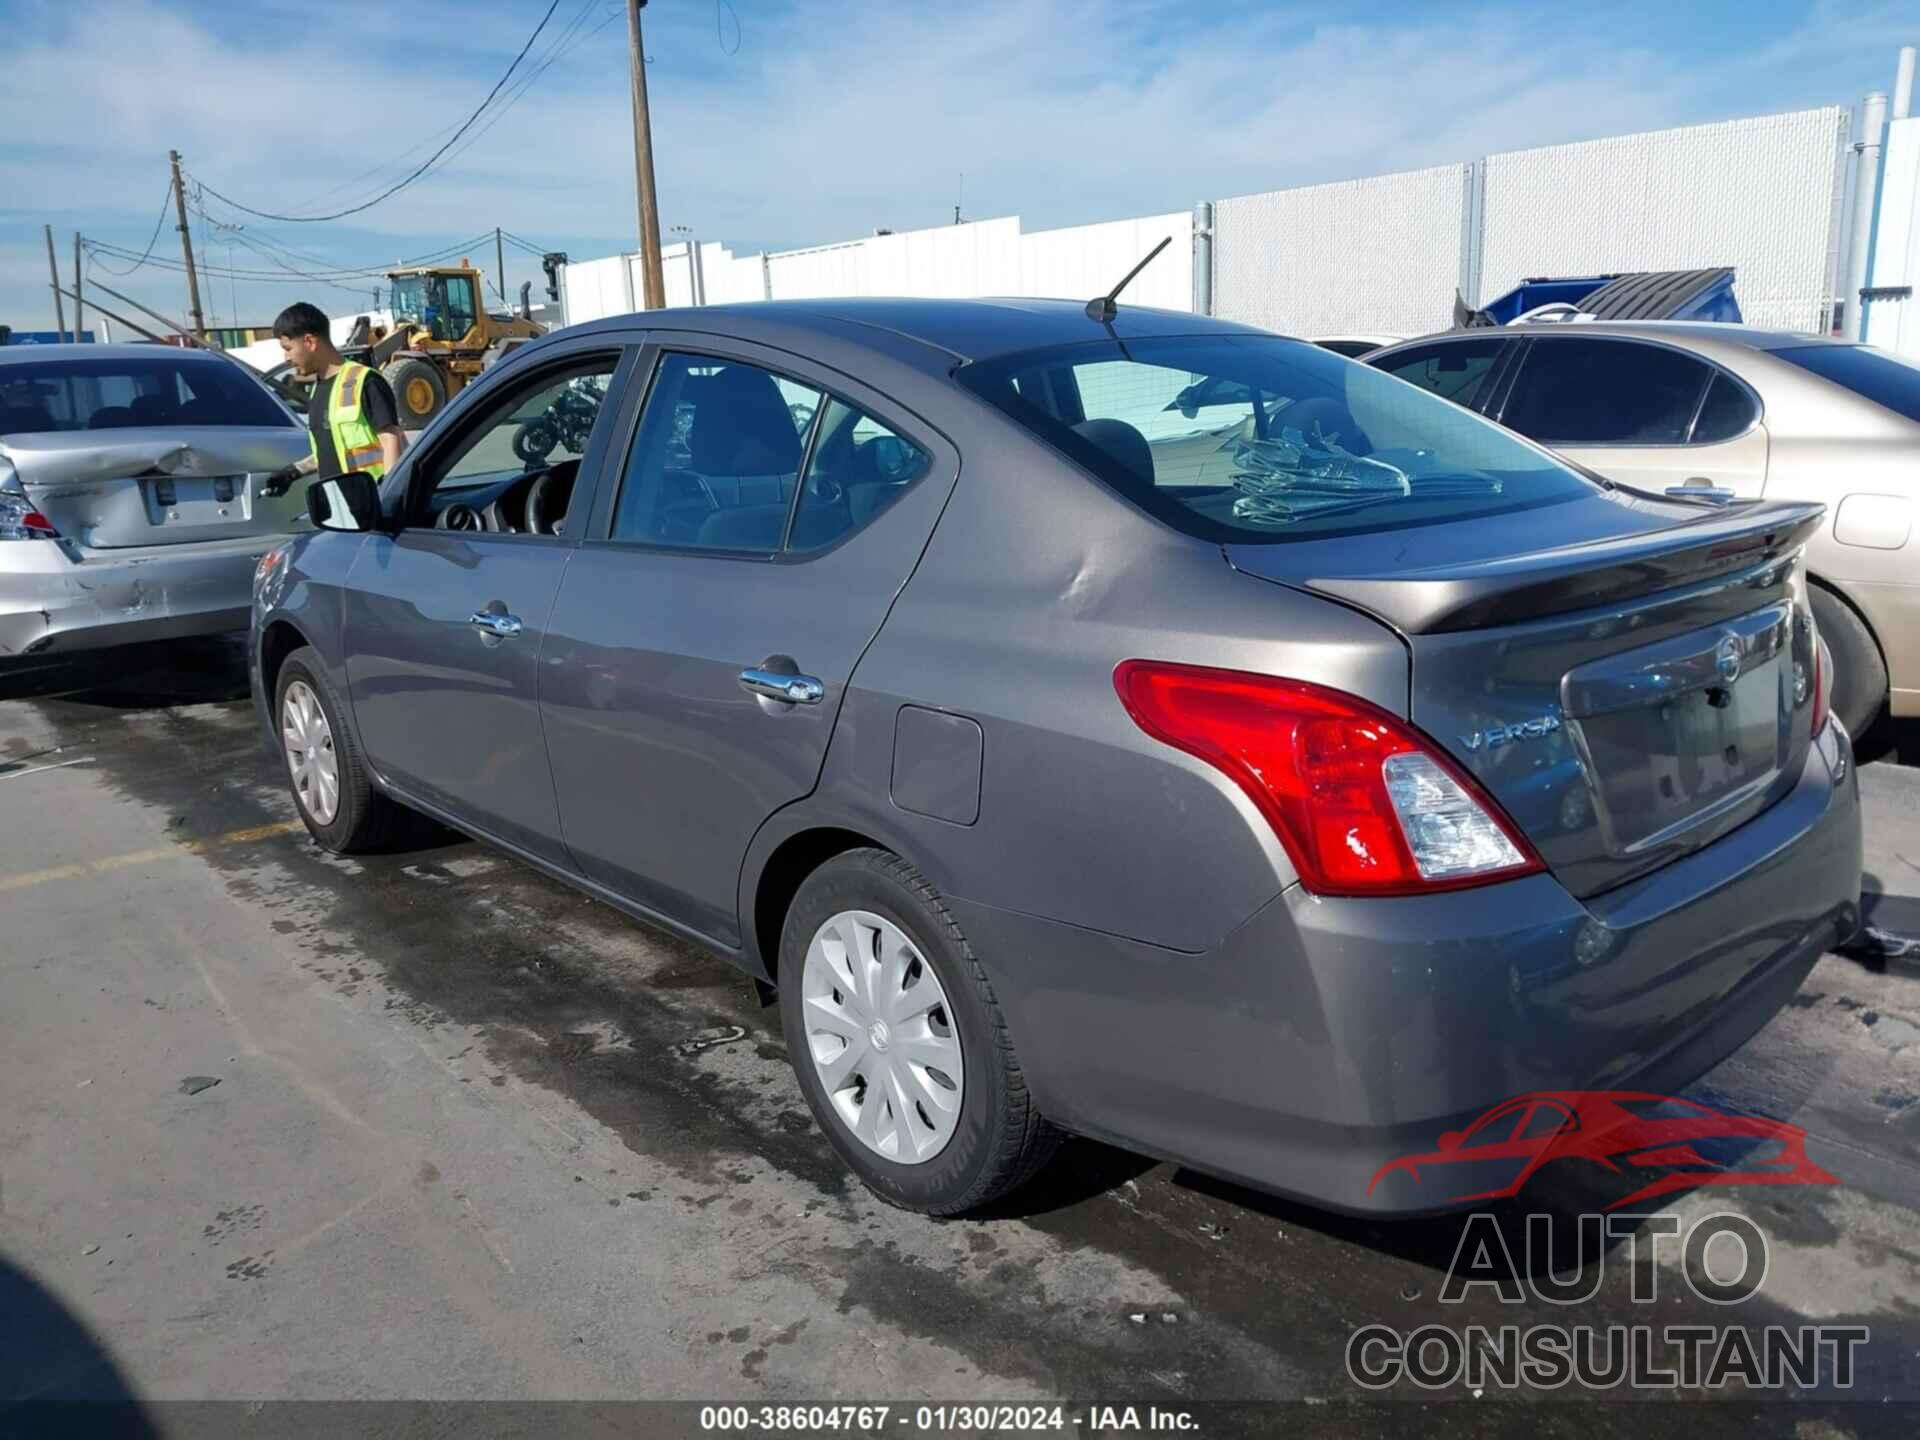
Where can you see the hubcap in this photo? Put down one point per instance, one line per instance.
(881, 1037)
(419, 396)
(308, 741)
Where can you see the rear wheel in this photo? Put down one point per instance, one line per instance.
(899, 1043)
(1859, 671)
(325, 769)
(419, 390)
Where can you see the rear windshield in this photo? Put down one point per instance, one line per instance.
(116, 394)
(1256, 439)
(1877, 376)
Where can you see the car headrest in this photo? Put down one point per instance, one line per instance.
(1127, 447)
(25, 419)
(153, 409)
(111, 417)
(741, 426)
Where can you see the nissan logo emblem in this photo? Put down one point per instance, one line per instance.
(1726, 658)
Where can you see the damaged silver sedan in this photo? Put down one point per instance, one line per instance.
(130, 494)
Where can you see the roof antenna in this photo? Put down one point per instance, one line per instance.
(1104, 309)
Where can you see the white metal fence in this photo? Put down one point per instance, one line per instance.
(1385, 254)
(1381, 254)
(1761, 195)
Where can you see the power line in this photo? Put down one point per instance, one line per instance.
(558, 52)
(424, 166)
(152, 240)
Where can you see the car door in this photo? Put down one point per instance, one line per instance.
(444, 619)
(1647, 414)
(766, 515)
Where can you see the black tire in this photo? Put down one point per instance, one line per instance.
(364, 819)
(1859, 670)
(419, 390)
(1000, 1139)
(534, 441)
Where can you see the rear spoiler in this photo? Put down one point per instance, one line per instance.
(1475, 594)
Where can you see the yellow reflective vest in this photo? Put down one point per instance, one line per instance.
(355, 442)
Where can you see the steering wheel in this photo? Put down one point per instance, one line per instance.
(547, 500)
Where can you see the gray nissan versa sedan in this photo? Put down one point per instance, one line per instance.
(1152, 728)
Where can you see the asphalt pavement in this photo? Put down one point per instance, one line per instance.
(280, 1125)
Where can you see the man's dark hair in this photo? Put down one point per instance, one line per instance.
(299, 319)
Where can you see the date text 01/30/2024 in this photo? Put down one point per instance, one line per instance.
(939, 1419)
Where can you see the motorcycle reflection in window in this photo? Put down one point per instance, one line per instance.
(564, 425)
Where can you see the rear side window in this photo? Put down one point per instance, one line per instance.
(735, 458)
(1457, 371)
(120, 394)
(1727, 411)
(1605, 392)
(1890, 383)
(718, 456)
(1256, 439)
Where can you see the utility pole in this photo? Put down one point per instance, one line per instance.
(59, 310)
(186, 247)
(499, 266)
(654, 283)
(79, 305)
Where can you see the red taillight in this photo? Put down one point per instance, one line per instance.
(1315, 762)
(1822, 686)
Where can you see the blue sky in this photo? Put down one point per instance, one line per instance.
(780, 124)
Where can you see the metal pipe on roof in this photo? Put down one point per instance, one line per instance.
(1866, 196)
(1903, 85)
(1203, 258)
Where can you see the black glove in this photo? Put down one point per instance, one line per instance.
(281, 480)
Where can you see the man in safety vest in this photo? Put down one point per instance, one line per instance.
(352, 421)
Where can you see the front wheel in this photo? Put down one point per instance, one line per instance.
(325, 770)
(899, 1043)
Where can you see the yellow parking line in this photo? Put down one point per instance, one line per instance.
(81, 869)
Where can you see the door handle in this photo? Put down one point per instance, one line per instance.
(794, 689)
(1700, 488)
(496, 623)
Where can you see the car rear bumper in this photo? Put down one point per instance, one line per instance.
(1326, 1037)
(55, 596)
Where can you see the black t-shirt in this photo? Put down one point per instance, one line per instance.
(377, 408)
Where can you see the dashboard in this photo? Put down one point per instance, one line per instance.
(520, 502)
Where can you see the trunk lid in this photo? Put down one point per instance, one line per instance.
(1628, 695)
(159, 485)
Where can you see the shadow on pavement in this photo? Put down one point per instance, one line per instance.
(195, 671)
(56, 1378)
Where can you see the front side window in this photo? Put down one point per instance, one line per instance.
(1456, 371)
(537, 429)
(1255, 439)
(1605, 392)
(1886, 380)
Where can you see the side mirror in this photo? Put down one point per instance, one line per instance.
(348, 502)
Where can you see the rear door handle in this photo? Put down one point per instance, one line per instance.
(794, 689)
(496, 623)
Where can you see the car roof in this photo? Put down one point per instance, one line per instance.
(26, 354)
(1689, 334)
(958, 330)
